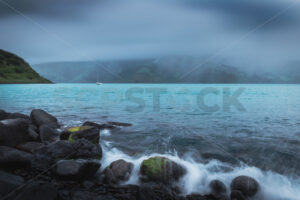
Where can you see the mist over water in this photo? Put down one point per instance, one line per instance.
(252, 35)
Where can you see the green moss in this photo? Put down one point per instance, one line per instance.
(74, 130)
(70, 139)
(77, 128)
(154, 167)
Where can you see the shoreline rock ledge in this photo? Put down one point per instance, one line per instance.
(38, 161)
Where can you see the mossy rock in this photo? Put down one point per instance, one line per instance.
(87, 132)
(161, 169)
(77, 128)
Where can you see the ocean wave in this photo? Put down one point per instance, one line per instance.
(273, 186)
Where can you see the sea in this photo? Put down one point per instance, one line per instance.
(216, 131)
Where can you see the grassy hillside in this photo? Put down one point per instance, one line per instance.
(14, 69)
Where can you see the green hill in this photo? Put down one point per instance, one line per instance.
(14, 69)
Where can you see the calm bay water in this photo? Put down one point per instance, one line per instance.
(262, 141)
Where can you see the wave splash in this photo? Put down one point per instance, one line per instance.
(273, 185)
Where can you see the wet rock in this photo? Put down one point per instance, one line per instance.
(81, 149)
(237, 195)
(76, 169)
(87, 150)
(247, 185)
(90, 133)
(9, 182)
(99, 126)
(118, 171)
(119, 124)
(14, 132)
(30, 147)
(196, 197)
(156, 191)
(3, 115)
(85, 195)
(33, 133)
(161, 169)
(38, 191)
(17, 116)
(47, 134)
(13, 158)
(217, 187)
(64, 135)
(40, 117)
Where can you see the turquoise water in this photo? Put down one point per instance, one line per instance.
(262, 139)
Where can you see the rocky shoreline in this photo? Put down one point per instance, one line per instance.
(39, 161)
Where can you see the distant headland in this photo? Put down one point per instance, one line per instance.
(13, 69)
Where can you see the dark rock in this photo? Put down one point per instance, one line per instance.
(81, 149)
(247, 185)
(47, 134)
(13, 158)
(76, 169)
(161, 169)
(38, 191)
(90, 133)
(64, 135)
(86, 150)
(99, 126)
(196, 197)
(85, 195)
(17, 116)
(156, 191)
(3, 115)
(33, 133)
(9, 182)
(217, 187)
(14, 132)
(119, 170)
(40, 117)
(119, 124)
(237, 195)
(30, 147)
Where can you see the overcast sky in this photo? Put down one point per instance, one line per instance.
(243, 32)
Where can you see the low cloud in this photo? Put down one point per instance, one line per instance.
(225, 31)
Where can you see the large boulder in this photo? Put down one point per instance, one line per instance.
(17, 116)
(14, 132)
(217, 187)
(90, 133)
(38, 191)
(161, 169)
(246, 185)
(81, 149)
(237, 195)
(9, 182)
(76, 169)
(13, 158)
(5, 115)
(118, 171)
(40, 117)
(47, 134)
(30, 147)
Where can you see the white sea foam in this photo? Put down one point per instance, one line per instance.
(273, 186)
(105, 132)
